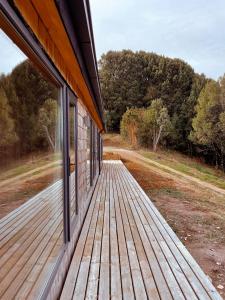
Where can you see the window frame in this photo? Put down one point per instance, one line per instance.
(91, 152)
(20, 34)
(71, 98)
(17, 31)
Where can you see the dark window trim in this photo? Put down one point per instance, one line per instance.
(99, 153)
(73, 221)
(76, 155)
(91, 152)
(66, 202)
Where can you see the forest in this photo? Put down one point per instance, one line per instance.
(158, 101)
(28, 112)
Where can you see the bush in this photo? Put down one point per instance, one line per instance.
(146, 127)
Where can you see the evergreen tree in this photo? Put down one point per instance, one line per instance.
(7, 128)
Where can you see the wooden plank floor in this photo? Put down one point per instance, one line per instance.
(31, 238)
(126, 250)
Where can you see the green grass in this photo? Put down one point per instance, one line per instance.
(177, 161)
(20, 167)
(187, 166)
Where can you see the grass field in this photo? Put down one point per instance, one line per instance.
(175, 160)
(187, 165)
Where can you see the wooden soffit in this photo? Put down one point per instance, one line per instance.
(44, 20)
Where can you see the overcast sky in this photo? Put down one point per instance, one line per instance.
(192, 30)
(10, 54)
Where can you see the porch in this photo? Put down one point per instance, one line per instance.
(126, 250)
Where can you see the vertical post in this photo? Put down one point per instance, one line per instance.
(76, 156)
(66, 165)
(91, 153)
(99, 153)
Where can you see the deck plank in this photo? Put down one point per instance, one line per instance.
(104, 280)
(30, 241)
(69, 285)
(126, 249)
(116, 288)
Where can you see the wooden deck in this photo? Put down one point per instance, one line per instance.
(31, 237)
(126, 249)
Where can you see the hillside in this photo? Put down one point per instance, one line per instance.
(155, 100)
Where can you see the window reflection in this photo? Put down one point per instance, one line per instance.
(88, 147)
(31, 170)
(72, 160)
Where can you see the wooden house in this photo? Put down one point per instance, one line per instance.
(72, 227)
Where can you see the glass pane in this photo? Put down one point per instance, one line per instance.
(88, 141)
(31, 173)
(72, 161)
(94, 151)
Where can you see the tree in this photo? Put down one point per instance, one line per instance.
(134, 79)
(7, 128)
(130, 123)
(206, 114)
(206, 122)
(222, 91)
(47, 122)
(27, 89)
(155, 125)
(121, 78)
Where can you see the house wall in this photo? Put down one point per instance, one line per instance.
(25, 41)
(85, 192)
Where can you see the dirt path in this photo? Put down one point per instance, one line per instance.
(26, 175)
(21, 188)
(159, 168)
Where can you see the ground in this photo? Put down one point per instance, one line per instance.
(190, 196)
(23, 179)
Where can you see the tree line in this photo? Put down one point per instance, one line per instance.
(156, 100)
(28, 111)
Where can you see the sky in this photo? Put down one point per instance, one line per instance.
(10, 54)
(192, 30)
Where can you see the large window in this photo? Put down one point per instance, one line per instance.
(31, 173)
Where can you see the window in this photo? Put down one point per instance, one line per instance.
(31, 172)
(89, 154)
(94, 150)
(72, 154)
